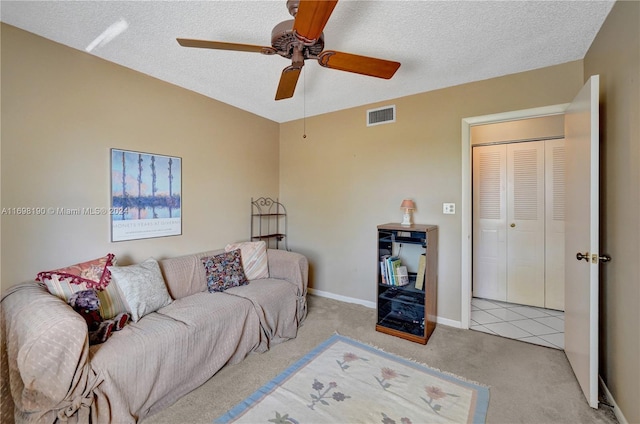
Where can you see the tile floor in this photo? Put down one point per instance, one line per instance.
(526, 323)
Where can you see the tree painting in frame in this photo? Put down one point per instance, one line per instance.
(146, 197)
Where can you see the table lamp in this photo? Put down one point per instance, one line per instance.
(408, 206)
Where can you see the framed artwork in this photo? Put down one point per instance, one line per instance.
(146, 195)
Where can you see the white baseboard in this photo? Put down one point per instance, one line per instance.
(341, 298)
(372, 305)
(616, 409)
(449, 322)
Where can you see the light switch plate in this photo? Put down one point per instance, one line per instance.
(449, 208)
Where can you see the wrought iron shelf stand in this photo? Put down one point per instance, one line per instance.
(269, 222)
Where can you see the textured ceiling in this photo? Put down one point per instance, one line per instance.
(439, 43)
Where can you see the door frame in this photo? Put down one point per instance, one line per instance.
(466, 209)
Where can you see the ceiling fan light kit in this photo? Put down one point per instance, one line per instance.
(301, 39)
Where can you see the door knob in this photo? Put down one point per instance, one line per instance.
(581, 256)
(604, 258)
(513, 224)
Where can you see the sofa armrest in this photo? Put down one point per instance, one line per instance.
(294, 268)
(45, 357)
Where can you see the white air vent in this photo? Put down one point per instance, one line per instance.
(383, 115)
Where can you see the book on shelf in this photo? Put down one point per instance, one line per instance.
(393, 263)
(383, 273)
(388, 270)
(422, 266)
(403, 275)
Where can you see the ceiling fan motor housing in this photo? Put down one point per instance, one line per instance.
(300, 39)
(284, 40)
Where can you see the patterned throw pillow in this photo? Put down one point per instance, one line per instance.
(254, 258)
(224, 271)
(143, 287)
(64, 282)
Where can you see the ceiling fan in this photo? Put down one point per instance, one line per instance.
(301, 39)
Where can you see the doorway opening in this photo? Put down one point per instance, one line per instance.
(518, 230)
(491, 315)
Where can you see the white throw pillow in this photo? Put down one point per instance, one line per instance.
(254, 258)
(143, 287)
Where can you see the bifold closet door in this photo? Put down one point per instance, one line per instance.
(489, 222)
(508, 222)
(525, 223)
(518, 223)
(554, 224)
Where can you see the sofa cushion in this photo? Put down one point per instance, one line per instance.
(185, 275)
(275, 303)
(93, 274)
(143, 287)
(224, 271)
(151, 363)
(254, 258)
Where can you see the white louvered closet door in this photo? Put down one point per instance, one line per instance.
(554, 224)
(489, 222)
(525, 223)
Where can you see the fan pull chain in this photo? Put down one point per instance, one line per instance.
(304, 103)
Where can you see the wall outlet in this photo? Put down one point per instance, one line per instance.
(449, 208)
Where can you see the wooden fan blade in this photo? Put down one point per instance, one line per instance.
(288, 81)
(311, 18)
(219, 45)
(364, 65)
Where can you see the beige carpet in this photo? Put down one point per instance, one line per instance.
(529, 383)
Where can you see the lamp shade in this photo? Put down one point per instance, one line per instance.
(407, 204)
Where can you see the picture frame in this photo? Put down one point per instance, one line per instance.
(146, 195)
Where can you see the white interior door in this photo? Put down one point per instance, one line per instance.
(525, 218)
(581, 237)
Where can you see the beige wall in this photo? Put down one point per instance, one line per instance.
(345, 178)
(62, 111)
(615, 56)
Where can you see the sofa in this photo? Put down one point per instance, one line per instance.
(50, 372)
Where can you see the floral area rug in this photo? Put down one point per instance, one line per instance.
(345, 381)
